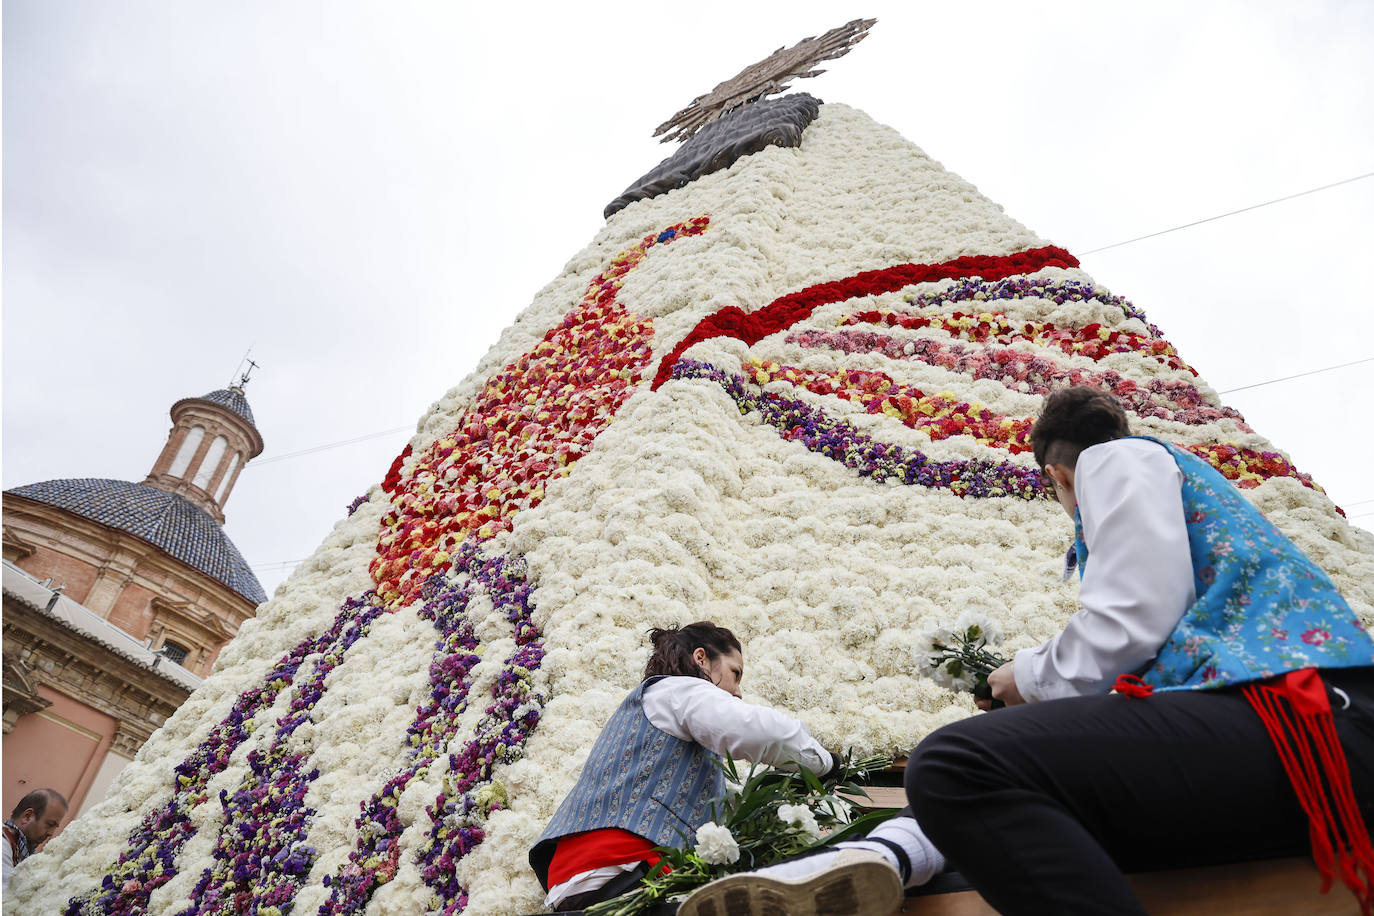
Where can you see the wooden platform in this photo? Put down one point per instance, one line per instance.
(1277, 887)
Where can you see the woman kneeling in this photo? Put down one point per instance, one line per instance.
(653, 773)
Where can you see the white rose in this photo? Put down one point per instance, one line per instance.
(716, 845)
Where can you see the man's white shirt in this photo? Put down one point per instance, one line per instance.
(1138, 581)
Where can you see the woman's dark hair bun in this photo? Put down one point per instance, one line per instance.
(673, 648)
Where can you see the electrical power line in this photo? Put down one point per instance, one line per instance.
(1277, 200)
(279, 565)
(321, 448)
(1367, 359)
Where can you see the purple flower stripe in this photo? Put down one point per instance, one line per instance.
(469, 796)
(376, 854)
(1026, 288)
(353, 506)
(150, 860)
(1164, 399)
(839, 440)
(261, 858)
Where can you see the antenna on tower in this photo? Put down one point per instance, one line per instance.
(242, 373)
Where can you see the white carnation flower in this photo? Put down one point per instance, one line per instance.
(963, 682)
(930, 649)
(716, 845)
(801, 817)
(978, 625)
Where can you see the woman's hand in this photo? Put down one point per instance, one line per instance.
(1003, 684)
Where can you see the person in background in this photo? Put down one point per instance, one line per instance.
(33, 821)
(652, 773)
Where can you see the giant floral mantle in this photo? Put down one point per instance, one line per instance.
(811, 430)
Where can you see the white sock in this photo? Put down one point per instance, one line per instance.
(926, 860)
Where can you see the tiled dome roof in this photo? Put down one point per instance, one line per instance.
(233, 399)
(165, 520)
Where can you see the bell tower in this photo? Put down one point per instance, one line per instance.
(212, 437)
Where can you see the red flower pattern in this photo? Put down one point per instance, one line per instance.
(531, 422)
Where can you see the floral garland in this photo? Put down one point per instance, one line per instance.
(469, 794)
(532, 420)
(353, 506)
(376, 854)
(1250, 468)
(973, 290)
(1163, 399)
(1094, 340)
(150, 860)
(784, 312)
(872, 458)
(938, 416)
(881, 461)
(260, 857)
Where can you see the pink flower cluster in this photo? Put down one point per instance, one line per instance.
(1165, 399)
(938, 416)
(1094, 341)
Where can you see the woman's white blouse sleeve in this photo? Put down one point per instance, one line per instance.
(694, 709)
(1138, 581)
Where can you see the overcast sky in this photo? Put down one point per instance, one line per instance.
(367, 193)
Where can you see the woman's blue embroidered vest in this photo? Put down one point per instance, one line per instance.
(639, 779)
(1263, 608)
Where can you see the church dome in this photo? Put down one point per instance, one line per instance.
(166, 520)
(232, 399)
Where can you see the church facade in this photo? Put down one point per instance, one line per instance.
(118, 597)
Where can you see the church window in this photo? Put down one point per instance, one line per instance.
(174, 652)
(187, 451)
(207, 467)
(228, 476)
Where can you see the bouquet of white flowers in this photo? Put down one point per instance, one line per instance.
(958, 658)
(767, 816)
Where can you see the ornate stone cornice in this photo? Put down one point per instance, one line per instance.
(20, 692)
(66, 661)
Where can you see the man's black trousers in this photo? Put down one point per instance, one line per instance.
(1043, 806)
